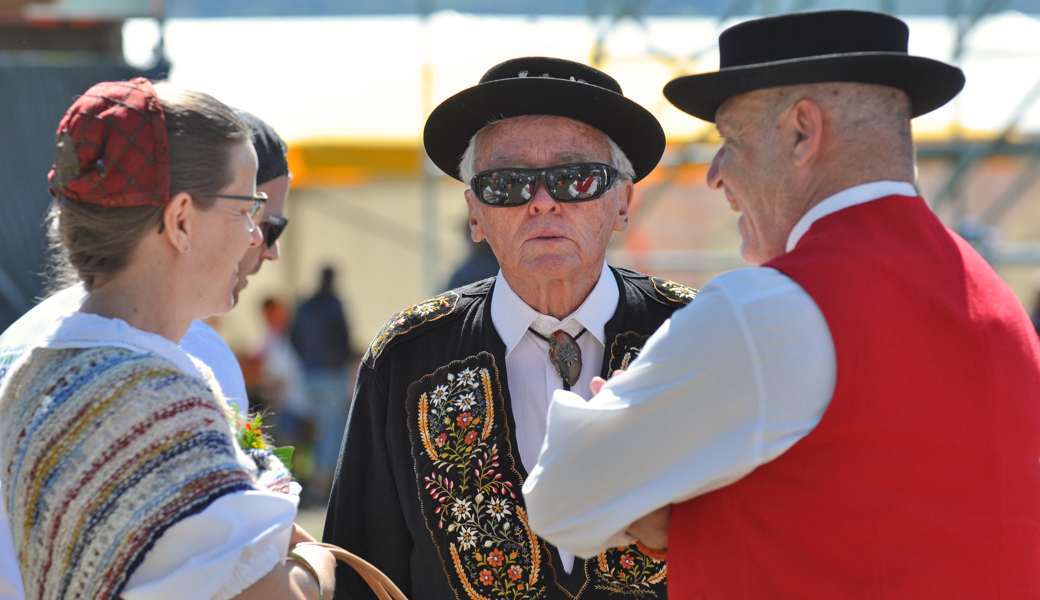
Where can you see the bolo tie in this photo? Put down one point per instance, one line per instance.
(564, 354)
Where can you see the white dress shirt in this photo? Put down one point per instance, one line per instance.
(729, 383)
(532, 377)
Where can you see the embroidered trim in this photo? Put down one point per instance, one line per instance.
(482, 529)
(624, 350)
(408, 319)
(674, 292)
(626, 570)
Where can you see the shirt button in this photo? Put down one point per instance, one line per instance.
(543, 326)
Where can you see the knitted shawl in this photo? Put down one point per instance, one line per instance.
(101, 450)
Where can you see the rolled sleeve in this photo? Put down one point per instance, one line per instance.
(218, 552)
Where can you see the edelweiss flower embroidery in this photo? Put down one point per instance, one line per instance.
(467, 538)
(439, 394)
(466, 401)
(426, 308)
(491, 547)
(461, 508)
(468, 376)
(498, 508)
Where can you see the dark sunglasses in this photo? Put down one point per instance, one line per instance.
(574, 182)
(272, 227)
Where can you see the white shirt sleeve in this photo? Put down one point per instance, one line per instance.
(727, 384)
(218, 552)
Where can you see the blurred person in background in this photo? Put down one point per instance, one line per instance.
(284, 389)
(864, 422)
(160, 500)
(449, 409)
(321, 336)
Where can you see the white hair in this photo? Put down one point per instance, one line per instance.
(468, 163)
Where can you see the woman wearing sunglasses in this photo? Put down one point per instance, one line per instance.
(121, 475)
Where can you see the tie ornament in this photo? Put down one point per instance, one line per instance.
(564, 354)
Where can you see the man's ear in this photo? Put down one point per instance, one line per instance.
(625, 192)
(806, 122)
(475, 230)
(178, 221)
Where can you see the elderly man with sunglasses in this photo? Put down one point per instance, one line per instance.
(450, 406)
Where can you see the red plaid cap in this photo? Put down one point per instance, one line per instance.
(112, 148)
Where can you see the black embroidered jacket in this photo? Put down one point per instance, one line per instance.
(428, 484)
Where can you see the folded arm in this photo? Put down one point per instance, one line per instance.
(727, 384)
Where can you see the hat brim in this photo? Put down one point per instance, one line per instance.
(452, 124)
(929, 83)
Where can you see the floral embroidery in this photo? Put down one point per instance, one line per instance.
(624, 350)
(468, 490)
(410, 318)
(675, 292)
(626, 570)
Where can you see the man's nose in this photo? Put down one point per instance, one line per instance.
(542, 201)
(270, 252)
(714, 176)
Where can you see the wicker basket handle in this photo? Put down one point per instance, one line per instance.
(380, 583)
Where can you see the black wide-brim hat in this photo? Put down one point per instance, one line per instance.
(544, 86)
(851, 46)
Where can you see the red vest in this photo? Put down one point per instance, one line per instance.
(922, 480)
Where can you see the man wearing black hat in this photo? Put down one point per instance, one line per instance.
(875, 433)
(449, 409)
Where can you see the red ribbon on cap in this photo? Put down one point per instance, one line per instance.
(112, 148)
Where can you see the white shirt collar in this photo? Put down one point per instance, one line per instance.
(87, 330)
(512, 316)
(857, 194)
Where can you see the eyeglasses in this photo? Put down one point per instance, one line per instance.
(574, 182)
(272, 227)
(256, 212)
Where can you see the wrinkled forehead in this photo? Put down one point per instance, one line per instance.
(539, 141)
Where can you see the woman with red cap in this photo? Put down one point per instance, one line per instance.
(121, 475)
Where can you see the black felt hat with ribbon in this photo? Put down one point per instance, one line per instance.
(816, 47)
(544, 86)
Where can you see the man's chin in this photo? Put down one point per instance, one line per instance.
(241, 285)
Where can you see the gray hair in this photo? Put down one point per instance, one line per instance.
(468, 163)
